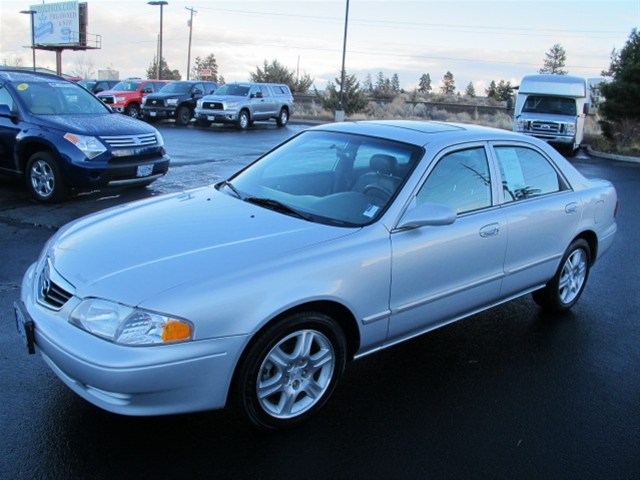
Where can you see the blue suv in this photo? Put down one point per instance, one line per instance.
(60, 137)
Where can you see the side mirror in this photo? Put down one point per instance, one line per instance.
(197, 91)
(586, 109)
(428, 214)
(6, 112)
(257, 95)
(147, 90)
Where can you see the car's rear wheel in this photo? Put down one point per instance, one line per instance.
(133, 110)
(283, 117)
(567, 285)
(183, 115)
(291, 370)
(243, 120)
(43, 178)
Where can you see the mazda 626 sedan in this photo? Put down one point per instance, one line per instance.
(346, 239)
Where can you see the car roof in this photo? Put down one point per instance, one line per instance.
(28, 76)
(422, 133)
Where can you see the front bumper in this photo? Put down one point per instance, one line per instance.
(159, 112)
(157, 380)
(217, 116)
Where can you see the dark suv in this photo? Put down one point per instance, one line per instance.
(59, 136)
(176, 100)
(97, 86)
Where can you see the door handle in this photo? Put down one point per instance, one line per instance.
(490, 230)
(571, 207)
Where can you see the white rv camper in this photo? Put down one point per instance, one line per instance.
(553, 108)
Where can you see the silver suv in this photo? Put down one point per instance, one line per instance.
(244, 103)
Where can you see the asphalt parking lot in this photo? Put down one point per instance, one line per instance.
(509, 393)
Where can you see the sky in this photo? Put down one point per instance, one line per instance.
(476, 40)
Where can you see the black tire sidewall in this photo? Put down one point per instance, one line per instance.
(244, 126)
(133, 108)
(246, 380)
(179, 113)
(280, 121)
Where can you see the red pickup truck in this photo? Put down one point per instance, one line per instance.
(126, 96)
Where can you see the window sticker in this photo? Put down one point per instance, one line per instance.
(23, 86)
(371, 211)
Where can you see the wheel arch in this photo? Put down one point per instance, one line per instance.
(338, 312)
(27, 150)
(592, 240)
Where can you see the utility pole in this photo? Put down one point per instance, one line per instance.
(190, 23)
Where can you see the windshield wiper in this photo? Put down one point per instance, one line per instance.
(227, 183)
(277, 206)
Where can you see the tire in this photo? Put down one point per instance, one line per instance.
(133, 110)
(291, 370)
(183, 115)
(149, 119)
(565, 288)
(43, 178)
(283, 117)
(244, 120)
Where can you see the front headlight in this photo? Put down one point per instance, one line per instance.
(90, 146)
(121, 99)
(172, 102)
(571, 128)
(127, 325)
(231, 105)
(199, 103)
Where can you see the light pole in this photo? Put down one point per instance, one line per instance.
(340, 110)
(162, 3)
(33, 42)
(190, 33)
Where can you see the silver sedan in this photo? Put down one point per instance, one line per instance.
(346, 239)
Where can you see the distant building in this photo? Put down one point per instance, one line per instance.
(108, 74)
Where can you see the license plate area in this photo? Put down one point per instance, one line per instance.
(144, 170)
(25, 328)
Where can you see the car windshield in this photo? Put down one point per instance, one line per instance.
(126, 86)
(59, 98)
(546, 104)
(176, 87)
(88, 84)
(328, 177)
(235, 90)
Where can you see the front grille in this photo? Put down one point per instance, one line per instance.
(154, 103)
(213, 105)
(50, 293)
(545, 127)
(128, 141)
(109, 100)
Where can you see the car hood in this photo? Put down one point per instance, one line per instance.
(95, 125)
(163, 96)
(138, 251)
(224, 98)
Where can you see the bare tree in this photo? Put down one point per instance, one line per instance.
(84, 68)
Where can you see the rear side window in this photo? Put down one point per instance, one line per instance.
(460, 180)
(525, 174)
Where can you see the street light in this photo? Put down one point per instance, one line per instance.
(33, 46)
(162, 3)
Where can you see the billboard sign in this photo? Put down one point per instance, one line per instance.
(56, 23)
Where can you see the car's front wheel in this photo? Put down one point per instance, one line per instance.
(565, 288)
(291, 370)
(183, 115)
(43, 178)
(133, 110)
(243, 120)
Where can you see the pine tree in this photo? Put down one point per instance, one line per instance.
(208, 63)
(622, 94)
(355, 99)
(492, 90)
(167, 73)
(555, 60)
(448, 84)
(470, 91)
(425, 83)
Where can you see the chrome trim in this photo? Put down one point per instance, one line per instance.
(127, 141)
(133, 181)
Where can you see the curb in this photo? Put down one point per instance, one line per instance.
(612, 156)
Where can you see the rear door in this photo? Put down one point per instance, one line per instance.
(542, 214)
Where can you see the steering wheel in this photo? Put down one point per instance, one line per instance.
(377, 192)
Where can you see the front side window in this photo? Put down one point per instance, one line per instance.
(6, 99)
(460, 180)
(526, 173)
